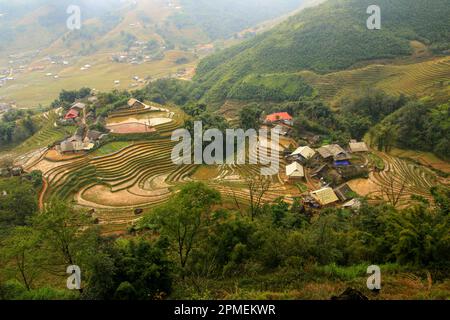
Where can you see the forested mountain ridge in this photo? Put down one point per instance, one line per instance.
(332, 36)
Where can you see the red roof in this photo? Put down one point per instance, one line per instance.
(72, 114)
(278, 116)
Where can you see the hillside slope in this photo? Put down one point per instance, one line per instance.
(39, 56)
(330, 37)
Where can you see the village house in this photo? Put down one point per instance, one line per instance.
(354, 204)
(73, 144)
(349, 172)
(327, 174)
(4, 107)
(16, 171)
(343, 192)
(283, 129)
(93, 99)
(92, 136)
(356, 147)
(324, 196)
(134, 103)
(303, 153)
(333, 152)
(72, 114)
(279, 117)
(78, 106)
(320, 171)
(295, 171)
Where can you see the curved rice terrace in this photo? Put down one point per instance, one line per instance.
(124, 179)
(409, 79)
(142, 175)
(48, 133)
(403, 178)
(232, 180)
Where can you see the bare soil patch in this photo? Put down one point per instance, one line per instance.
(126, 128)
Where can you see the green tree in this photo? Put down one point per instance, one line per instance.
(21, 257)
(66, 234)
(19, 203)
(249, 117)
(184, 218)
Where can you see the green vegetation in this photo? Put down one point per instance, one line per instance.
(332, 36)
(361, 113)
(421, 125)
(239, 234)
(377, 161)
(68, 97)
(18, 202)
(270, 88)
(110, 148)
(16, 126)
(334, 245)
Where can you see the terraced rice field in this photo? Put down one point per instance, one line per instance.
(142, 175)
(139, 120)
(136, 175)
(48, 133)
(398, 173)
(126, 176)
(232, 180)
(410, 79)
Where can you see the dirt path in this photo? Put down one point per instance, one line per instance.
(42, 194)
(311, 185)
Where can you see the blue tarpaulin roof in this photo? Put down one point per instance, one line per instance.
(342, 163)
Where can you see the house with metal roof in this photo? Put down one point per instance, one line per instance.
(355, 146)
(295, 171)
(333, 151)
(79, 106)
(325, 196)
(282, 117)
(72, 114)
(304, 152)
(344, 192)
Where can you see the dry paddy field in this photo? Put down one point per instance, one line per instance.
(401, 177)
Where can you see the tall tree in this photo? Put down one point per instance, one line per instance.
(21, 257)
(66, 234)
(184, 217)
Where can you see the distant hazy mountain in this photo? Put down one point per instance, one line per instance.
(33, 24)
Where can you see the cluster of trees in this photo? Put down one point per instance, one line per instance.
(68, 97)
(311, 116)
(425, 126)
(110, 101)
(42, 246)
(419, 125)
(192, 241)
(362, 112)
(168, 91)
(389, 120)
(18, 201)
(208, 242)
(16, 126)
(271, 88)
